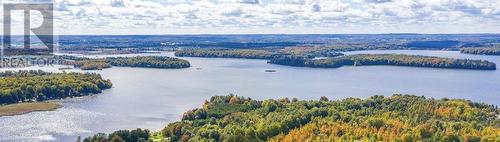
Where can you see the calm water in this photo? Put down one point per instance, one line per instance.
(151, 98)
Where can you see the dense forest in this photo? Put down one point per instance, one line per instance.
(311, 52)
(481, 51)
(92, 64)
(137, 135)
(383, 59)
(325, 57)
(28, 86)
(148, 62)
(378, 118)
(225, 53)
(267, 53)
(345, 41)
(138, 61)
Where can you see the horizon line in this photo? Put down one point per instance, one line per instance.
(265, 34)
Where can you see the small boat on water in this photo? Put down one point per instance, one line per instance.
(270, 70)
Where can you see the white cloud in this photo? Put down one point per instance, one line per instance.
(289, 16)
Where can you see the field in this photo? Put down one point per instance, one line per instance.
(22, 108)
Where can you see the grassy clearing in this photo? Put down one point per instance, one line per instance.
(22, 108)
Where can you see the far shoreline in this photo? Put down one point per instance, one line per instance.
(25, 108)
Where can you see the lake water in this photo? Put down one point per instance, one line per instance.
(151, 98)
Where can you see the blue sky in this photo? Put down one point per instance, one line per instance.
(275, 16)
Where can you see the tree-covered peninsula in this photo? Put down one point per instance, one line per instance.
(149, 62)
(382, 59)
(33, 86)
(225, 53)
(138, 61)
(323, 57)
(481, 51)
(91, 64)
(309, 52)
(378, 118)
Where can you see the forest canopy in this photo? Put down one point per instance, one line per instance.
(138, 61)
(32, 86)
(396, 118)
(225, 53)
(148, 62)
(326, 57)
(267, 53)
(137, 135)
(383, 59)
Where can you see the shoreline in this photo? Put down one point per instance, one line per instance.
(25, 108)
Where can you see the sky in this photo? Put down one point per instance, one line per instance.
(130, 17)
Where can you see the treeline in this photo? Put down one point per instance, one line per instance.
(311, 52)
(31, 86)
(383, 59)
(481, 51)
(138, 61)
(225, 53)
(92, 64)
(137, 135)
(378, 118)
(149, 62)
(268, 53)
(240, 45)
(325, 57)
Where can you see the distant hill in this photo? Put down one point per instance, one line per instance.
(439, 44)
(405, 40)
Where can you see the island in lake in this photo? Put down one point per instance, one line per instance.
(383, 59)
(378, 118)
(322, 57)
(36, 86)
(137, 61)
